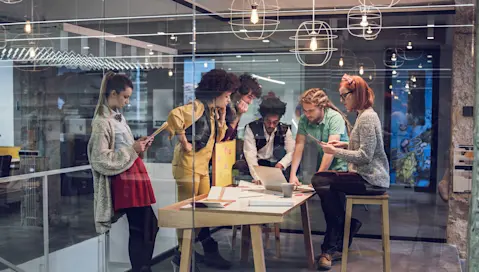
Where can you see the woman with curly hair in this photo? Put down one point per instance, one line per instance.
(213, 95)
(368, 166)
(267, 141)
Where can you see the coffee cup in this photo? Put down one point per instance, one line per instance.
(288, 189)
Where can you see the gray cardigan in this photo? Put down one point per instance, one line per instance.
(366, 155)
(106, 162)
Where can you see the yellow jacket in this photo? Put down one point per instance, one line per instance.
(179, 120)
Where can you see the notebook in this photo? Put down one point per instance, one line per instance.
(219, 197)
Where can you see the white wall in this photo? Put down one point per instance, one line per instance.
(6, 103)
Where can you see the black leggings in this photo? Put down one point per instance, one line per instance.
(143, 228)
(332, 187)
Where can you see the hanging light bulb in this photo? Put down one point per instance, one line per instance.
(394, 72)
(419, 66)
(407, 85)
(369, 31)
(390, 87)
(313, 45)
(205, 65)
(370, 77)
(28, 27)
(32, 52)
(364, 21)
(413, 78)
(341, 62)
(361, 70)
(254, 14)
(393, 57)
(170, 73)
(409, 45)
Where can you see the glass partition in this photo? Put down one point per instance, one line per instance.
(184, 60)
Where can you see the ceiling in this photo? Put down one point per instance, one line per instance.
(222, 6)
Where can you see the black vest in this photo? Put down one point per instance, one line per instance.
(257, 127)
(202, 129)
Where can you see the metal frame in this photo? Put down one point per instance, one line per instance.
(46, 224)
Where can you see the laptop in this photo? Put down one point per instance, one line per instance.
(271, 177)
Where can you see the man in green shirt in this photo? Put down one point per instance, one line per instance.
(323, 122)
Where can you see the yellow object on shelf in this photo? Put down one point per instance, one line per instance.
(10, 150)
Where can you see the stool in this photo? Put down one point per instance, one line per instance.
(383, 201)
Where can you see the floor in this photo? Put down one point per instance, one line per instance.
(365, 256)
(413, 215)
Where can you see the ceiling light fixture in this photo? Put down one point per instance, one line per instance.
(266, 41)
(409, 45)
(361, 70)
(341, 62)
(254, 19)
(393, 57)
(312, 32)
(170, 73)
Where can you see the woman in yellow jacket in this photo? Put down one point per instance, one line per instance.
(213, 95)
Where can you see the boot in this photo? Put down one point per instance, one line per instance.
(176, 261)
(212, 255)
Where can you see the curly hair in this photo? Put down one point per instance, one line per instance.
(272, 105)
(216, 82)
(319, 98)
(249, 84)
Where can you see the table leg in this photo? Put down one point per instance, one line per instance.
(308, 243)
(245, 243)
(186, 248)
(258, 250)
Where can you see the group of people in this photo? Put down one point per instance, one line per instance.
(350, 159)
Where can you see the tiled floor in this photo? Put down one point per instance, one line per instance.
(365, 256)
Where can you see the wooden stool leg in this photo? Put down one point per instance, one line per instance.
(385, 236)
(233, 239)
(347, 225)
(277, 243)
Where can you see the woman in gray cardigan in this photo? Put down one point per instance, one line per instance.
(121, 182)
(368, 166)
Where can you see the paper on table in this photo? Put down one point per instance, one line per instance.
(229, 193)
(248, 194)
(249, 186)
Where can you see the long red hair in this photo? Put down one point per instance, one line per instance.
(363, 95)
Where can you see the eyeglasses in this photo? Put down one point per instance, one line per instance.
(345, 95)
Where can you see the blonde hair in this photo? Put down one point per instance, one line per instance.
(320, 99)
(102, 99)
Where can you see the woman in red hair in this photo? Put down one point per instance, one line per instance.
(368, 166)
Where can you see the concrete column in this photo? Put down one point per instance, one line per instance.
(461, 127)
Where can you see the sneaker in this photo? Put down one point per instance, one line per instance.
(325, 262)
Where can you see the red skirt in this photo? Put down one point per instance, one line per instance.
(132, 188)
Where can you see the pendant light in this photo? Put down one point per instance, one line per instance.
(28, 27)
(361, 70)
(341, 62)
(254, 14)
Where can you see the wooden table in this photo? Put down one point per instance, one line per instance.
(238, 213)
